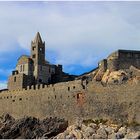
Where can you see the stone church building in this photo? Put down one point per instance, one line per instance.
(34, 69)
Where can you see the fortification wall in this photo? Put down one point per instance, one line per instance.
(69, 100)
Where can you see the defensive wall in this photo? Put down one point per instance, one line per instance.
(71, 100)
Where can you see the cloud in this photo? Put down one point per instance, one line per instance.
(3, 85)
(80, 33)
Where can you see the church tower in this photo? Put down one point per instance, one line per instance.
(38, 57)
(38, 50)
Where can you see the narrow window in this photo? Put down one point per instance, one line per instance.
(68, 88)
(78, 96)
(55, 96)
(23, 67)
(14, 79)
(73, 87)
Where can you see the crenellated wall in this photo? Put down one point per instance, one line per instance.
(69, 100)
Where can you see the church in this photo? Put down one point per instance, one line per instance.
(34, 69)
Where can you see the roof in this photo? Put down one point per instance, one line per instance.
(24, 59)
(37, 38)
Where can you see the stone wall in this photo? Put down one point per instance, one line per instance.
(69, 100)
(121, 59)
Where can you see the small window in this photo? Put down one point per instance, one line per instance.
(23, 67)
(68, 88)
(49, 70)
(78, 96)
(34, 56)
(41, 49)
(14, 79)
(55, 96)
(33, 48)
(20, 99)
(13, 100)
(73, 87)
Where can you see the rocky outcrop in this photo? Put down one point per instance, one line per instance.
(30, 127)
(100, 131)
(115, 77)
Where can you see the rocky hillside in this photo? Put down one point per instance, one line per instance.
(56, 128)
(30, 127)
(99, 129)
(113, 77)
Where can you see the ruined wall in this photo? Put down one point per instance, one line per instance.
(69, 100)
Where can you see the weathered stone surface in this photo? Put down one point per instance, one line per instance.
(133, 135)
(30, 127)
(115, 77)
(100, 131)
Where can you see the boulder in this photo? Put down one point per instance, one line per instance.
(133, 135)
(102, 133)
(77, 134)
(89, 131)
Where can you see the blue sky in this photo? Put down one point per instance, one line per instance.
(77, 34)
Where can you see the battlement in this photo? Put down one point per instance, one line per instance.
(70, 86)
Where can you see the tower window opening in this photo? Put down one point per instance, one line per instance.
(20, 68)
(40, 49)
(23, 67)
(68, 88)
(14, 79)
(34, 56)
(33, 48)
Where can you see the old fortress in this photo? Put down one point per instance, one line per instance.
(38, 88)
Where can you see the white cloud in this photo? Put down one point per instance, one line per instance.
(3, 85)
(80, 32)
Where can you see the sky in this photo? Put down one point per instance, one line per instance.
(77, 34)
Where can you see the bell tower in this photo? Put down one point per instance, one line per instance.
(38, 50)
(38, 57)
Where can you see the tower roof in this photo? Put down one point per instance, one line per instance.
(38, 38)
